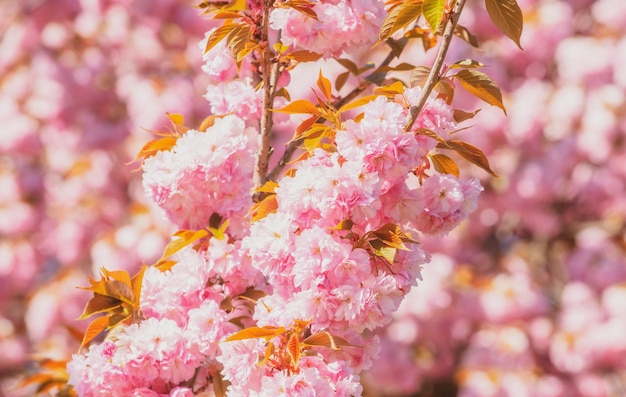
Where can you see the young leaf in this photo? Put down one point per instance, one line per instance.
(268, 187)
(482, 86)
(419, 76)
(444, 164)
(304, 56)
(237, 40)
(399, 17)
(324, 85)
(185, 237)
(348, 64)
(470, 152)
(94, 329)
(263, 208)
(507, 16)
(293, 349)
(391, 90)
(100, 304)
(460, 115)
(341, 80)
(467, 64)
(266, 332)
(325, 339)
(301, 106)
(466, 36)
(153, 147)
(355, 104)
(429, 133)
(433, 12)
(217, 35)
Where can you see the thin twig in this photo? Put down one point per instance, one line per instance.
(263, 153)
(433, 76)
(293, 145)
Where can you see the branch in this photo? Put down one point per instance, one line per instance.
(293, 145)
(433, 76)
(263, 153)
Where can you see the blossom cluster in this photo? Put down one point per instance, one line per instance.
(524, 301)
(81, 82)
(527, 299)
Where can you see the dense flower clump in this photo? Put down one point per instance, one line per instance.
(527, 299)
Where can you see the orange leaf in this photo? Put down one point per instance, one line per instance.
(301, 106)
(355, 104)
(263, 208)
(324, 85)
(256, 332)
(444, 164)
(94, 329)
(325, 339)
(185, 237)
(153, 147)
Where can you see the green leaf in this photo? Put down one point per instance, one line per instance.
(444, 164)
(507, 16)
(433, 12)
(399, 17)
(482, 86)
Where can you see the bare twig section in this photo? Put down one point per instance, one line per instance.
(263, 152)
(433, 76)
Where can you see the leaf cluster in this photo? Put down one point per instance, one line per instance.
(117, 296)
(285, 346)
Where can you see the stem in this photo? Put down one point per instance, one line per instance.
(263, 153)
(293, 145)
(433, 76)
